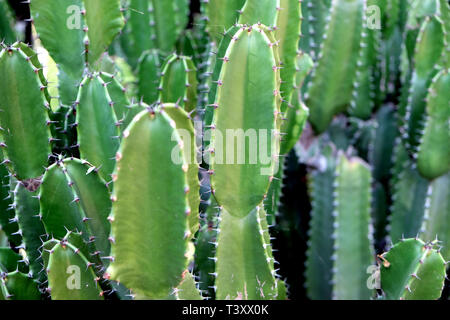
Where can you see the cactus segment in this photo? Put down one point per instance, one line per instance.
(382, 149)
(59, 25)
(186, 132)
(18, 286)
(187, 289)
(98, 135)
(260, 12)
(60, 210)
(165, 23)
(428, 51)
(319, 263)
(7, 32)
(282, 290)
(315, 14)
(138, 31)
(181, 8)
(297, 114)
(24, 117)
(74, 198)
(70, 276)
(150, 233)
(327, 98)
(434, 151)
(118, 96)
(353, 247)
(436, 224)
(7, 222)
(409, 198)
(412, 270)
(94, 200)
(288, 34)
(179, 82)
(247, 103)
(222, 15)
(104, 20)
(243, 268)
(149, 69)
(219, 61)
(27, 210)
(365, 90)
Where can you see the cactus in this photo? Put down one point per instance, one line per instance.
(179, 82)
(352, 240)
(434, 153)
(412, 270)
(326, 98)
(159, 240)
(187, 150)
(28, 139)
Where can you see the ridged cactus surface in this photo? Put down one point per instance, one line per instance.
(224, 149)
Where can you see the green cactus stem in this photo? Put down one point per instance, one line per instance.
(352, 239)
(24, 118)
(150, 234)
(433, 158)
(412, 270)
(326, 98)
(179, 82)
(97, 126)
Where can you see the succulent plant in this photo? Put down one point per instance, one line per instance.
(148, 151)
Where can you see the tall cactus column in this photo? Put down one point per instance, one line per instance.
(247, 105)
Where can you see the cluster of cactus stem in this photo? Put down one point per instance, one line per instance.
(113, 127)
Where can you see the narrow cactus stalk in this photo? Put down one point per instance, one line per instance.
(149, 71)
(412, 270)
(428, 52)
(315, 17)
(18, 286)
(150, 233)
(287, 32)
(352, 239)
(221, 16)
(104, 20)
(179, 82)
(118, 95)
(409, 193)
(26, 205)
(185, 129)
(7, 32)
(248, 275)
(433, 159)
(260, 12)
(74, 198)
(235, 113)
(98, 134)
(8, 223)
(68, 264)
(319, 264)
(24, 117)
(327, 98)
(62, 36)
(437, 215)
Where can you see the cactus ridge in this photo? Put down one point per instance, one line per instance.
(352, 241)
(26, 134)
(179, 82)
(412, 270)
(96, 121)
(156, 248)
(326, 98)
(433, 158)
